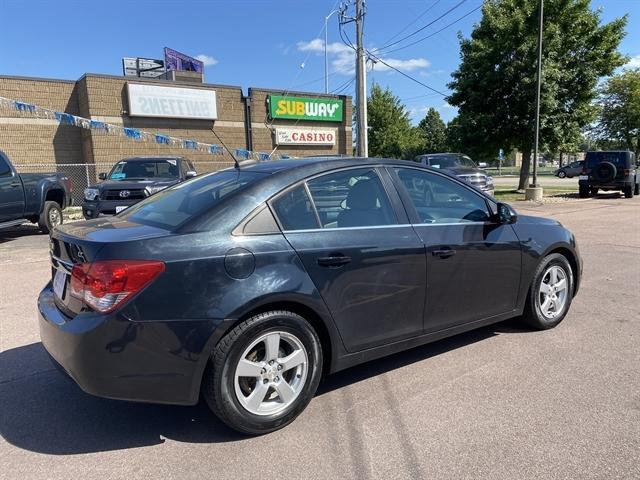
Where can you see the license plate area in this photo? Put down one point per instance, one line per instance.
(59, 284)
(119, 209)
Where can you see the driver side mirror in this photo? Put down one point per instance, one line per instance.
(190, 174)
(102, 176)
(506, 214)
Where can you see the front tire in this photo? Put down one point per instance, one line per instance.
(628, 191)
(50, 217)
(264, 372)
(636, 189)
(562, 174)
(550, 294)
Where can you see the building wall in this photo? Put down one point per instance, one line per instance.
(28, 140)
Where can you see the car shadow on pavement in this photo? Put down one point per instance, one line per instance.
(10, 234)
(42, 410)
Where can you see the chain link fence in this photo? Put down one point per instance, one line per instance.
(84, 174)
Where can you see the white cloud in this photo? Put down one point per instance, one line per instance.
(634, 62)
(208, 60)
(405, 65)
(343, 61)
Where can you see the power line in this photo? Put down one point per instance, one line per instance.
(423, 27)
(377, 59)
(434, 33)
(413, 21)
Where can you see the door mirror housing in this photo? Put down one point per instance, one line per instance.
(506, 214)
(190, 174)
(102, 176)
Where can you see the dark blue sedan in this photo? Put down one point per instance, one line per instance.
(249, 284)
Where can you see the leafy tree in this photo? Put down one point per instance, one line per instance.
(390, 132)
(433, 132)
(495, 84)
(619, 120)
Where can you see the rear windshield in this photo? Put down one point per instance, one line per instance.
(174, 206)
(617, 158)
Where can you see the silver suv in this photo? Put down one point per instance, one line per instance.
(461, 166)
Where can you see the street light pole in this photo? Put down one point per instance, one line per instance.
(362, 149)
(326, 60)
(539, 83)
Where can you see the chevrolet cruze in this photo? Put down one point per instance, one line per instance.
(247, 285)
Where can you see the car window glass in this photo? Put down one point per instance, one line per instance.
(351, 198)
(438, 199)
(294, 210)
(4, 168)
(174, 206)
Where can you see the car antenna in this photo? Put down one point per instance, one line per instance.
(236, 163)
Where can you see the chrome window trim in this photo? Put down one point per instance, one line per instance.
(332, 229)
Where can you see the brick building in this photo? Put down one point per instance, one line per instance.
(241, 121)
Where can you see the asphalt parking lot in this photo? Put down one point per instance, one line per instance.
(501, 402)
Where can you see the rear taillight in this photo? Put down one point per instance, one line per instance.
(69, 183)
(627, 172)
(106, 284)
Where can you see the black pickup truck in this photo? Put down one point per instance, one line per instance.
(131, 180)
(32, 197)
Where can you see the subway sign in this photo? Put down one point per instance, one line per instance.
(305, 108)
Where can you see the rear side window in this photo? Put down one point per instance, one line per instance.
(295, 211)
(175, 206)
(351, 198)
(4, 168)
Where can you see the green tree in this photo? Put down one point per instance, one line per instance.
(495, 84)
(433, 132)
(619, 120)
(390, 132)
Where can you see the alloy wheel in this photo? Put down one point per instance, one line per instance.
(271, 373)
(553, 291)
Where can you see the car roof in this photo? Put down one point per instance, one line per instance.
(316, 164)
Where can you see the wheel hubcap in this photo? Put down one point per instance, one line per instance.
(54, 217)
(271, 373)
(552, 295)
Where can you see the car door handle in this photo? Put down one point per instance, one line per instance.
(14, 185)
(444, 253)
(333, 261)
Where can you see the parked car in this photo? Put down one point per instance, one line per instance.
(614, 170)
(32, 197)
(460, 165)
(131, 180)
(570, 170)
(247, 285)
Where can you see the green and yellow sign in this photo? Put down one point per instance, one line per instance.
(303, 108)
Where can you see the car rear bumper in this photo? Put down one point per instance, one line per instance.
(113, 357)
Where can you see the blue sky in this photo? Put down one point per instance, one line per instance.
(255, 43)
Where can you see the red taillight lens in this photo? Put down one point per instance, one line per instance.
(106, 284)
(69, 182)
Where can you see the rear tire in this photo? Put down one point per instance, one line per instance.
(562, 174)
(549, 298)
(628, 192)
(50, 217)
(636, 189)
(583, 192)
(594, 191)
(273, 392)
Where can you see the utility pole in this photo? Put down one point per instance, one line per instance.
(362, 148)
(535, 192)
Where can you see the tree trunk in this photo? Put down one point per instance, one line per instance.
(524, 169)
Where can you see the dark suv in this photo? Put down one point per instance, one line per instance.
(609, 171)
(461, 166)
(131, 180)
